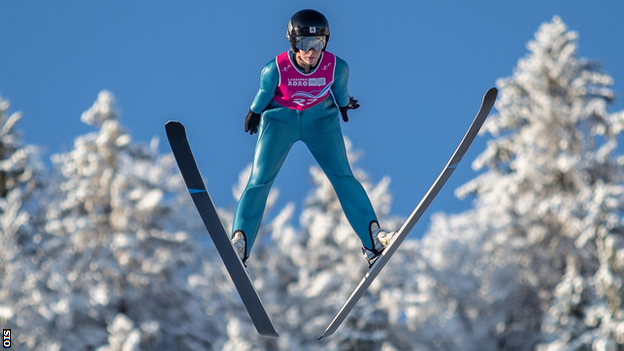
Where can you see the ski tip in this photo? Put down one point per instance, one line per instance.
(492, 93)
(172, 123)
(174, 127)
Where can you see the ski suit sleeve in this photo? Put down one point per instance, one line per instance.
(341, 80)
(269, 79)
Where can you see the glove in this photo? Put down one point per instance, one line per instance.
(352, 105)
(251, 122)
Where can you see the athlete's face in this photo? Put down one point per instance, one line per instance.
(310, 57)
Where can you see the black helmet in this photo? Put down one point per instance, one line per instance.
(307, 23)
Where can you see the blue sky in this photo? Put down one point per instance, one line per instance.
(418, 68)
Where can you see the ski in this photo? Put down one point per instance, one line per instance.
(488, 102)
(203, 202)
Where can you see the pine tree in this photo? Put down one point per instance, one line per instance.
(113, 264)
(20, 169)
(539, 258)
(587, 311)
(557, 154)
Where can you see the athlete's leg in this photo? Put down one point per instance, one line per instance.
(277, 132)
(323, 137)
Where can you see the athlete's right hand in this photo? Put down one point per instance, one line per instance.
(251, 122)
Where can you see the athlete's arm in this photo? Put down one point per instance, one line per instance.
(340, 90)
(268, 82)
(269, 78)
(341, 80)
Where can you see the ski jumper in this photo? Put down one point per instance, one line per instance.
(296, 106)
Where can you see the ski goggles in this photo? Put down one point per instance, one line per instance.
(309, 43)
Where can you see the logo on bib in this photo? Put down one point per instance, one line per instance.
(307, 82)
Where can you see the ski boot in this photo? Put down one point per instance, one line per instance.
(239, 242)
(381, 239)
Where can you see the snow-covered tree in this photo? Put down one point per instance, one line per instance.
(19, 170)
(538, 261)
(112, 261)
(582, 183)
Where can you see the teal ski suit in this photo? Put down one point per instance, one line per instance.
(319, 128)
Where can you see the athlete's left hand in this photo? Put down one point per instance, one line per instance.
(352, 105)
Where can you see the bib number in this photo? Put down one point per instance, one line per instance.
(304, 102)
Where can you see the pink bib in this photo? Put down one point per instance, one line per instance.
(301, 91)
